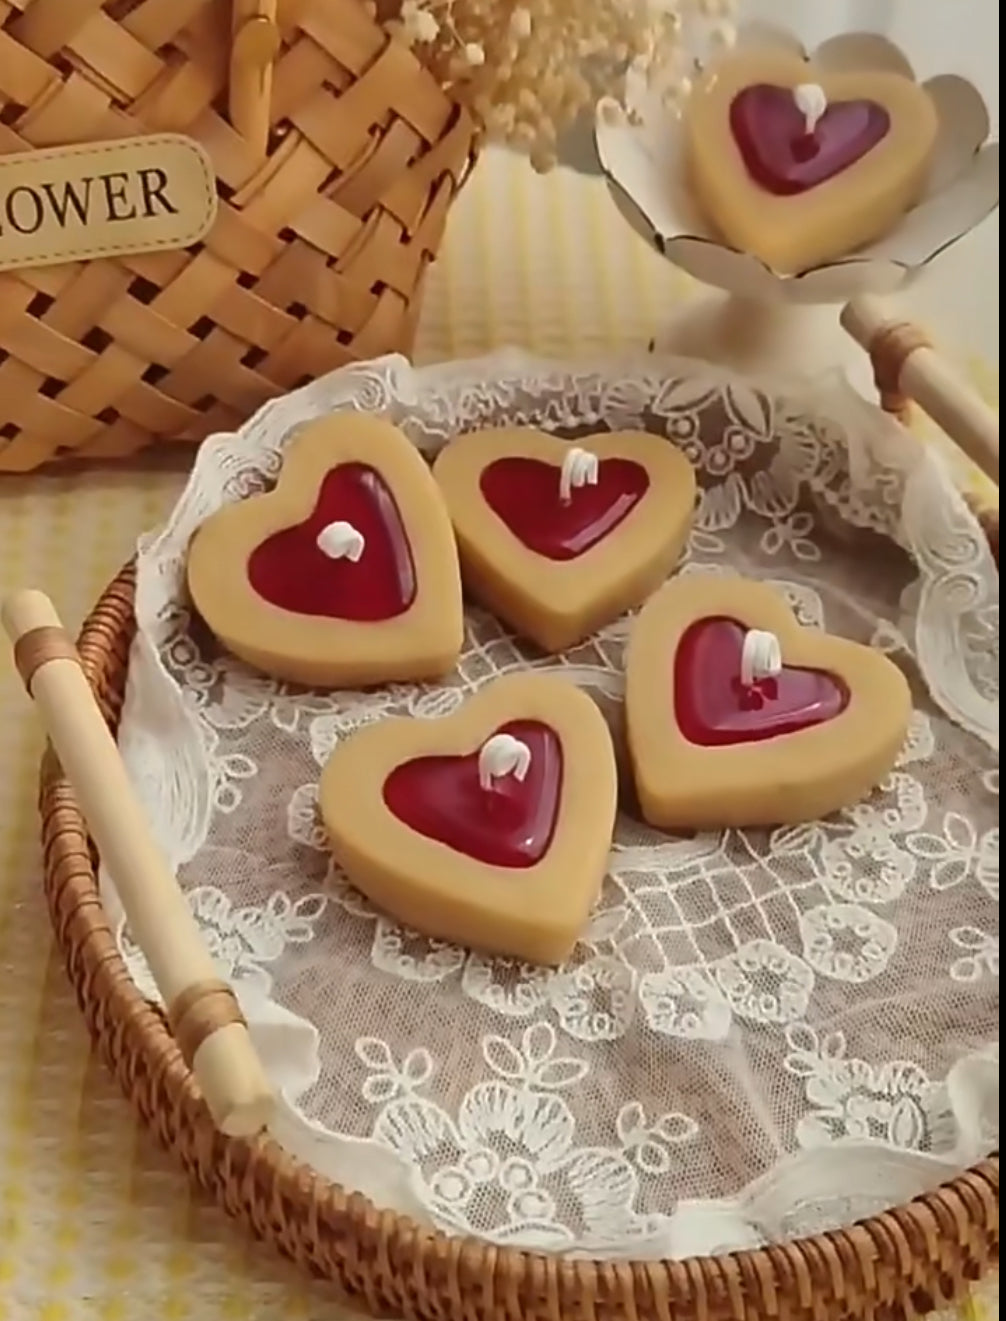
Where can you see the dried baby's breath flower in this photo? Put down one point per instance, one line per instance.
(417, 24)
(529, 70)
(521, 24)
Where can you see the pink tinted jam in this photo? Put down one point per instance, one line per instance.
(510, 825)
(524, 493)
(288, 570)
(714, 709)
(782, 157)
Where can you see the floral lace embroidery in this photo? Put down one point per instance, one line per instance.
(242, 942)
(512, 1145)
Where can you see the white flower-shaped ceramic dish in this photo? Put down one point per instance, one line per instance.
(641, 156)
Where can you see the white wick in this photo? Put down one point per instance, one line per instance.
(761, 657)
(579, 468)
(503, 755)
(341, 541)
(811, 102)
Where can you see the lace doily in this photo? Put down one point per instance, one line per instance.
(761, 1033)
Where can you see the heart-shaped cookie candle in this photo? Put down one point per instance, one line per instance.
(490, 827)
(558, 537)
(739, 716)
(344, 575)
(801, 166)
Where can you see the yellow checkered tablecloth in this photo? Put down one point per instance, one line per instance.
(96, 1224)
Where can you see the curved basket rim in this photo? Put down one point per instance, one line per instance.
(960, 1214)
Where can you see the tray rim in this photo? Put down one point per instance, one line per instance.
(913, 1257)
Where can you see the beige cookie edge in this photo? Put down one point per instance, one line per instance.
(355, 818)
(682, 786)
(425, 642)
(557, 605)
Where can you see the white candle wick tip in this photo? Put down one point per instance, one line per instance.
(579, 468)
(503, 755)
(812, 103)
(761, 657)
(341, 541)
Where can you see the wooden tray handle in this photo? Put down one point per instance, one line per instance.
(255, 43)
(202, 1010)
(906, 367)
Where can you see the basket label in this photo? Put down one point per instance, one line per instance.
(104, 199)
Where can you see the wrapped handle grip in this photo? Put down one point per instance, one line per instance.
(907, 367)
(202, 1010)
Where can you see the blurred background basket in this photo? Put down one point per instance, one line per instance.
(333, 196)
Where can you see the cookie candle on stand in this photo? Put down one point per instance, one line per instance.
(559, 537)
(490, 827)
(798, 172)
(794, 182)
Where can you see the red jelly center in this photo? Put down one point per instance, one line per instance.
(782, 157)
(508, 825)
(714, 708)
(525, 494)
(289, 569)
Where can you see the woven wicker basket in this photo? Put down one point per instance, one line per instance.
(898, 1264)
(324, 230)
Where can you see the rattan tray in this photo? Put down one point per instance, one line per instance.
(901, 1263)
(897, 1264)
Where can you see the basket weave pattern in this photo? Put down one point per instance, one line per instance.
(318, 252)
(897, 1264)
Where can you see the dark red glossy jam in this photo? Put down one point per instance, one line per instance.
(509, 825)
(714, 708)
(779, 153)
(524, 493)
(290, 571)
